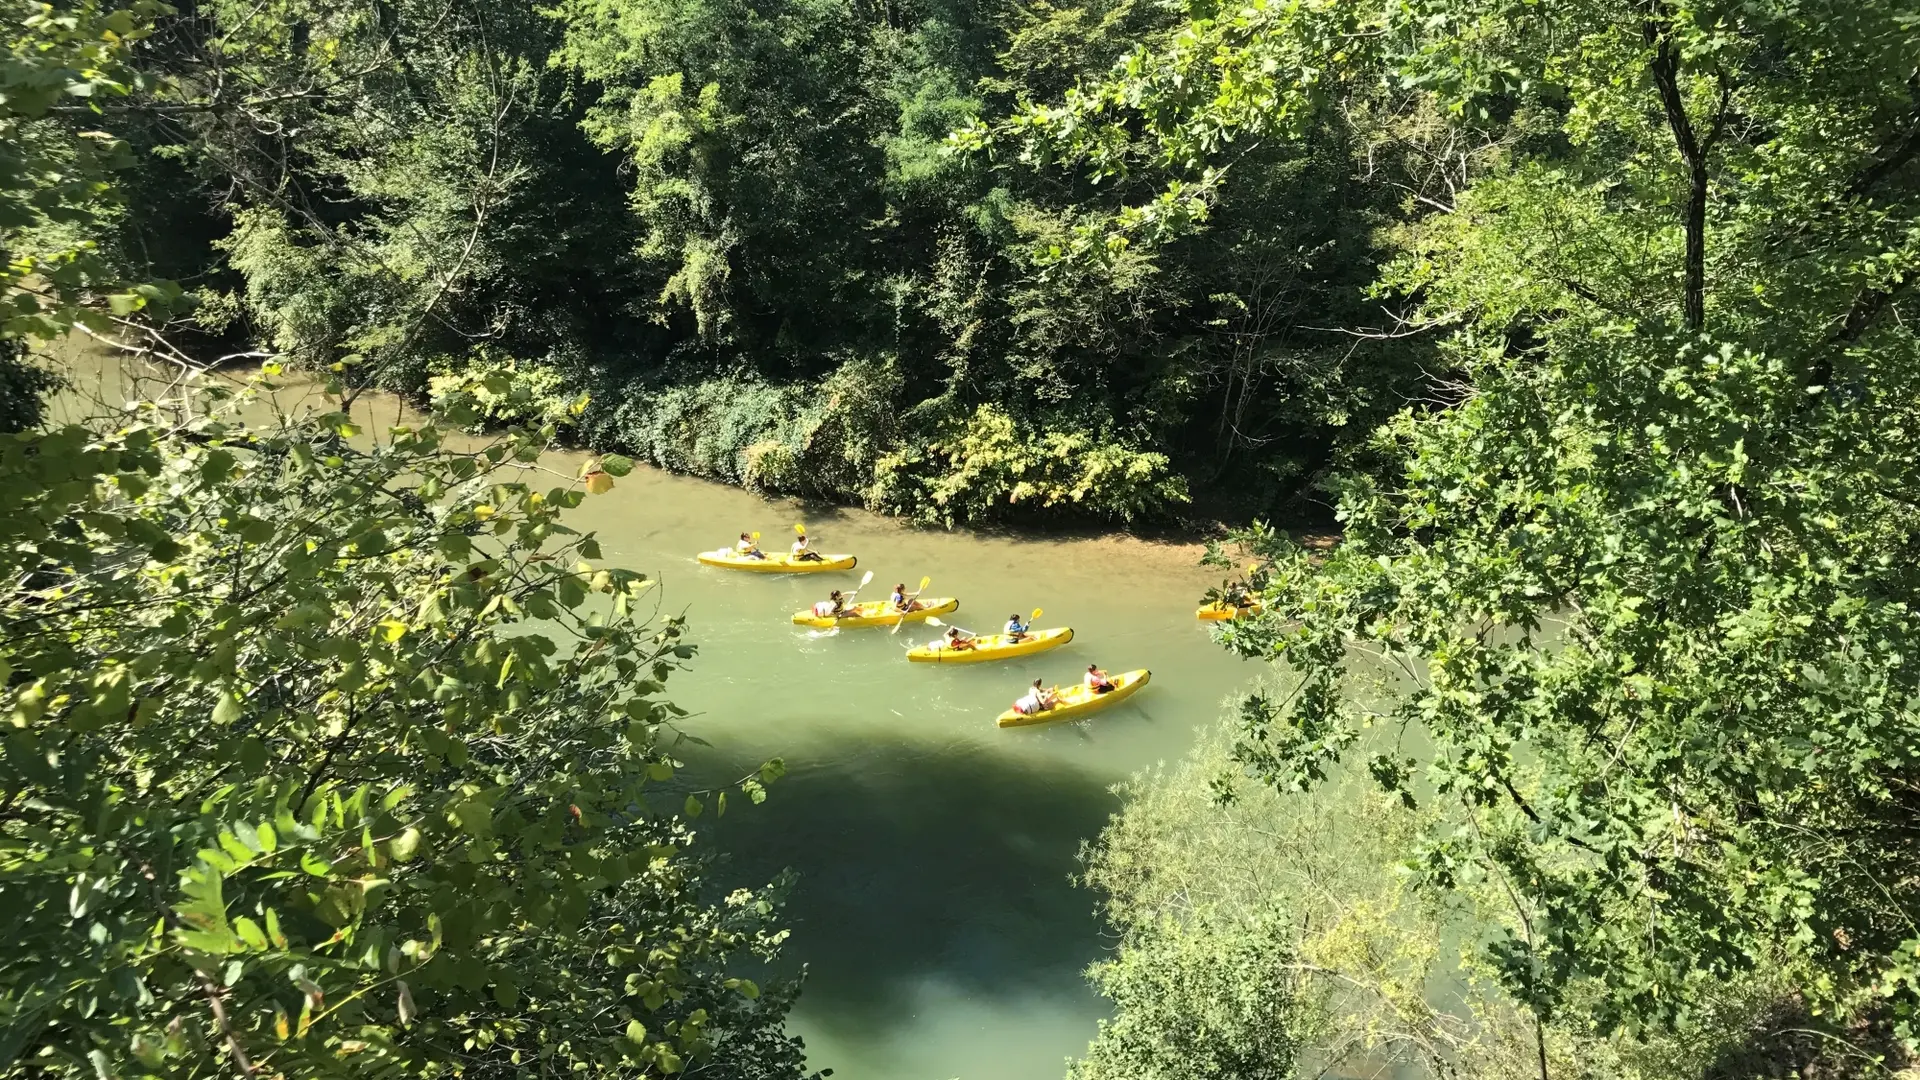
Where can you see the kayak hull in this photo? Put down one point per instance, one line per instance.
(875, 613)
(1222, 612)
(775, 564)
(993, 647)
(1078, 701)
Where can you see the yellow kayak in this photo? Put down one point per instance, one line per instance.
(1077, 701)
(877, 613)
(992, 647)
(1220, 611)
(727, 559)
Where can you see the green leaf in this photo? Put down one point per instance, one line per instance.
(403, 846)
(250, 933)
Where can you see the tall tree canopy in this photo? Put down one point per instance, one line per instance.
(743, 231)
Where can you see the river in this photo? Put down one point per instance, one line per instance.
(933, 907)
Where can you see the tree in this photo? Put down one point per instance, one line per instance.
(58, 61)
(1643, 569)
(406, 183)
(329, 758)
(752, 134)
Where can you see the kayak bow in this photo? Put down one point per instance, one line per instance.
(992, 647)
(1077, 701)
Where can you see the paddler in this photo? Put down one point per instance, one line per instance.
(803, 552)
(833, 607)
(956, 639)
(901, 601)
(748, 548)
(1016, 630)
(1037, 699)
(1238, 595)
(1098, 680)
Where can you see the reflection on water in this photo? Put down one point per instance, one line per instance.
(933, 906)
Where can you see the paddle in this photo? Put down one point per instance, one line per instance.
(902, 621)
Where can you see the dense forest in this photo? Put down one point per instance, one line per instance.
(1590, 750)
(741, 231)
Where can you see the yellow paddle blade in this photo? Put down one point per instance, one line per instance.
(934, 620)
(1253, 568)
(1036, 614)
(756, 536)
(801, 529)
(923, 583)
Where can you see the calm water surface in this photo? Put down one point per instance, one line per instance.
(933, 907)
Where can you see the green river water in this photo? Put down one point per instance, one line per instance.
(933, 905)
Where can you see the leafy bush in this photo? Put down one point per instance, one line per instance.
(293, 790)
(819, 439)
(1269, 933)
(845, 438)
(989, 464)
(1200, 1000)
(504, 391)
(829, 448)
(705, 428)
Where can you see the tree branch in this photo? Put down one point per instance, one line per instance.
(1665, 66)
(226, 1029)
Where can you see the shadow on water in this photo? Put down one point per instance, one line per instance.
(926, 865)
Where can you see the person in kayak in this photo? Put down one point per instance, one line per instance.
(833, 607)
(956, 639)
(901, 601)
(1037, 699)
(1016, 630)
(803, 552)
(747, 548)
(1098, 681)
